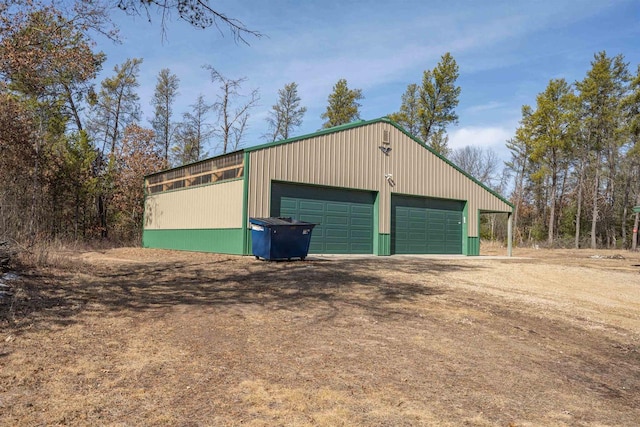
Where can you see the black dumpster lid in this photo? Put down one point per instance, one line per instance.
(277, 221)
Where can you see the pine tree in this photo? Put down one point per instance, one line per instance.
(407, 117)
(551, 143)
(163, 99)
(438, 98)
(287, 114)
(117, 105)
(343, 105)
(428, 108)
(600, 94)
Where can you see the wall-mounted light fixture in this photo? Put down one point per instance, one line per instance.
(389, 179)
(385, 150)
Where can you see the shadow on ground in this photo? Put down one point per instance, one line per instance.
(375, 285)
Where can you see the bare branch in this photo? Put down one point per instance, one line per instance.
(198, 13)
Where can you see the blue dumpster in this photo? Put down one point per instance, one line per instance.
(280, 238)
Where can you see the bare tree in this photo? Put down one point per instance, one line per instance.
(480, 163)
(233, 112)
(287, 114)
(193, 134)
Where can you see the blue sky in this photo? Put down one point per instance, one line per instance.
(507, 52)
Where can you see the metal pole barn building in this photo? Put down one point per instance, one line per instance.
(372, 188)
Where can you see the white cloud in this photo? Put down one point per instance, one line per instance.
(491, 105)
(374, 48)
(486, 137)
(492, 138)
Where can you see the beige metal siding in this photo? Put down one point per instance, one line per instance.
(206, 207)
(352, 159)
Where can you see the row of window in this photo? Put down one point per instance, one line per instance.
(205, 172)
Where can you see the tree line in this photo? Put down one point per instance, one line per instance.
(74, 152)
(575, 159)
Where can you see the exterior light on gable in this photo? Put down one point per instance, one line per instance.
(385, 150)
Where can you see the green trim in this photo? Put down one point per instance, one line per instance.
(321, 132)
(144, 213)
(221, 240)
(465, 229)
(479, 217)
(226, 181)
(369, 122)
(376, 223)
(473, 246)
(384, 244)
(246, 233)
(636, 209)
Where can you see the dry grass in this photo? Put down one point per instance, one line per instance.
(55, 253)
(148, 337)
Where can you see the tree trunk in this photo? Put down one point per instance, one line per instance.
(76, 216)
(116, 125)
(625, 209)
(612, 160)
(594, 212)
(492, 219)
(35, 196)
(579, 204)
(561, 198)
(634, 239)
(74, 108)
(552, 208)
(167, 105)
(102, 215)
(552, 216)
(519, 195)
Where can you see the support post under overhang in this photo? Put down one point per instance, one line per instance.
(509, 234)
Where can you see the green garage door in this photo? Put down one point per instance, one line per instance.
(426, 226)
(345, 217)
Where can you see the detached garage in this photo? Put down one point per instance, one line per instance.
(371, 187)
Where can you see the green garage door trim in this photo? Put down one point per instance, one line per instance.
(426, 226)
(345, 217)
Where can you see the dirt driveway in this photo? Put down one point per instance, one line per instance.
(134, 337)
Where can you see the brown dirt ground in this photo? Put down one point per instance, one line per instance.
(134, 336)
